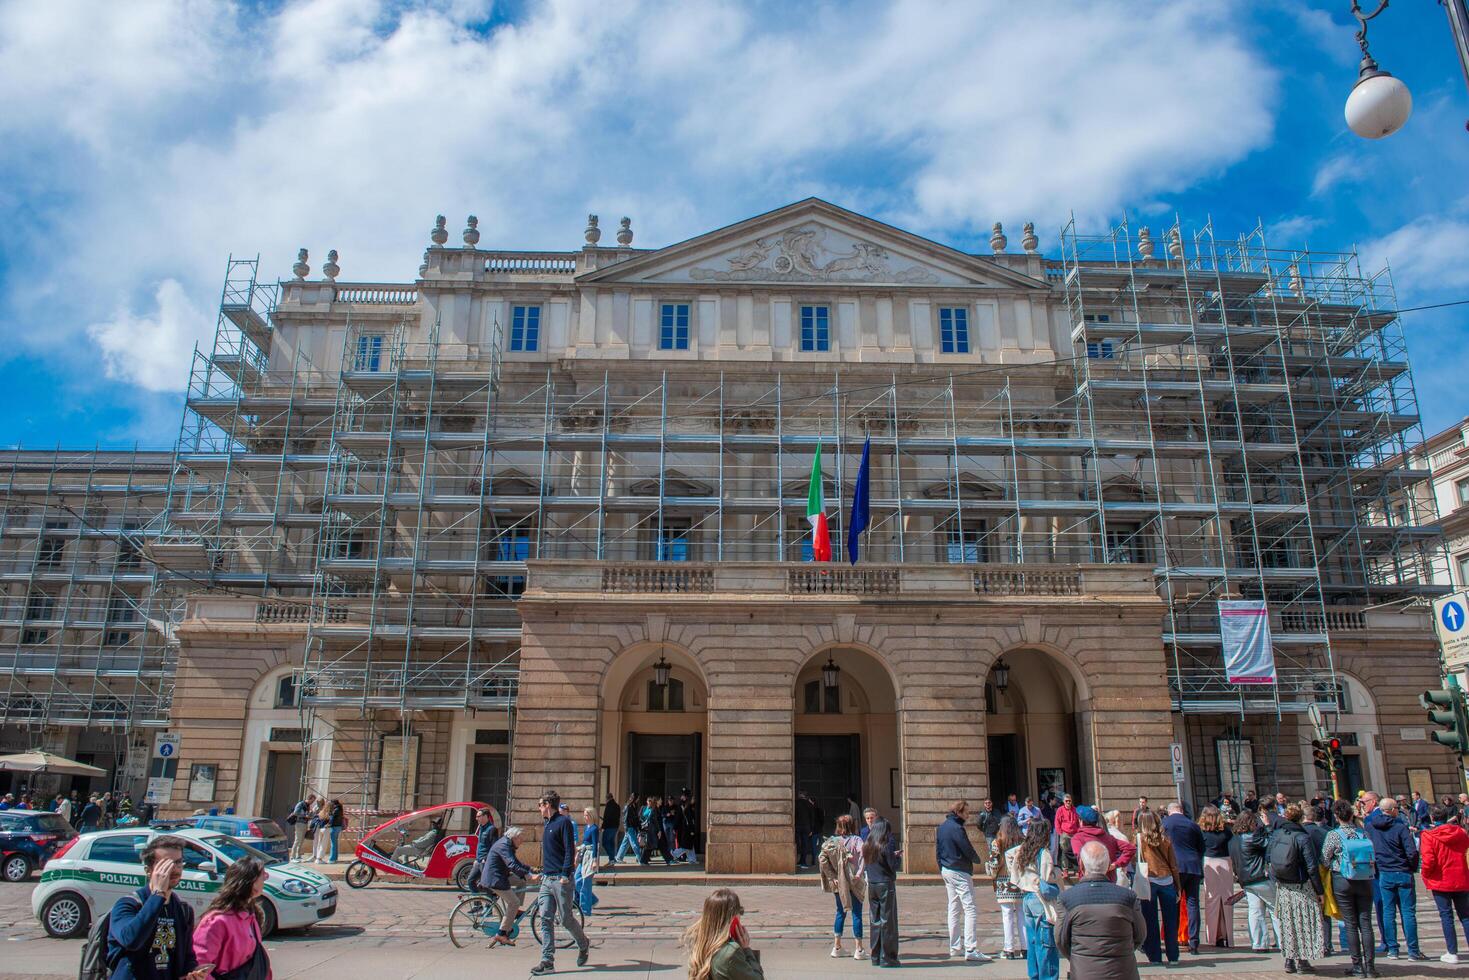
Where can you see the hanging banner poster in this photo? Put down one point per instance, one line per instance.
(1244, 625)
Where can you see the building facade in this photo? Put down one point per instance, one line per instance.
(540, 519)
(1446, 455)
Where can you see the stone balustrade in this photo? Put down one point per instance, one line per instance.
(376, 295)
(557, 577)
(530, 263)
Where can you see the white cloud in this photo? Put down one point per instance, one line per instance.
(1337, 171)
(348, 124)
(1426, 257)
(153, 349)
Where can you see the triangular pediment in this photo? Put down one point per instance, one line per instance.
(809, 242)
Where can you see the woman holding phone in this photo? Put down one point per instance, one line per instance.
(228, 936)
(718, 945)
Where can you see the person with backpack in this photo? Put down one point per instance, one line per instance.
(1446, 876)
(1348, 852)
(840, 864)
(1297, 907)
(150, 934)
(1251, 865)
(1396, 854)
(229, 933)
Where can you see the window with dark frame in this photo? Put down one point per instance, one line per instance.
(673, 327)
(665, 697)
(525, 328)
(822, 700)
(954, 329)
(816, 328)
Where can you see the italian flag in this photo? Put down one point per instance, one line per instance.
(816, 513)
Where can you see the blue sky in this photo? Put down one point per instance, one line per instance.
(142, 143)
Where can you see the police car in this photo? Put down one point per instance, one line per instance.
(93, 871)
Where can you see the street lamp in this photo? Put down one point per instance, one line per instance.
(660, 671)
(830, 673)
(1001, 670)
(1379, 104)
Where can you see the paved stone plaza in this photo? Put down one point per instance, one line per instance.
(400, 931)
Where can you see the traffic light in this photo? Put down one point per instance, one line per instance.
(1333, 745)
(1446, 709)
(1319, 755)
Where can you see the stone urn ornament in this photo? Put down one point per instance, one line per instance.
(330, 270)
(593, 233)
(624, 232)
(471, 232)
(1028, 241)
(998, 241)
(440, 234)
(1145, 245)
(1175, 244)
(301, 269)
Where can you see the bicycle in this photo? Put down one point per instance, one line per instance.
(479, 916)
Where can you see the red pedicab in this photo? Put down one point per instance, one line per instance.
(437, 843)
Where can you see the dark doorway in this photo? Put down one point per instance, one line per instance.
(828, 767)
(1006, 769)
(282, 785)
(490, 781)
(665, 765)
(1351, 777)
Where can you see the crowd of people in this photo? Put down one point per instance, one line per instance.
(318, 822)
(100, 811)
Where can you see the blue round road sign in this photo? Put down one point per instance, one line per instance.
(1452, 615)
(166, 749)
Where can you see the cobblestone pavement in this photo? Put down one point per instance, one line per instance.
(400, 930)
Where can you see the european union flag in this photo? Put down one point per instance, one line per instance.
(860, 513)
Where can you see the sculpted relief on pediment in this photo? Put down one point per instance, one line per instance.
(805, 254)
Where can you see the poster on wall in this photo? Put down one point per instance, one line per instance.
(397, 778)
(1244, 626)
(201, 783)
(1050, 782)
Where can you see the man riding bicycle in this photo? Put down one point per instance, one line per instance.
(501, 865)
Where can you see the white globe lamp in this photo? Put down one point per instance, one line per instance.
(1379, 104)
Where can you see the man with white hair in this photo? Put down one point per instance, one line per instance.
(1103, 925)
(501, 866)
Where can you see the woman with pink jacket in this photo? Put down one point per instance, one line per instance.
(228, 936)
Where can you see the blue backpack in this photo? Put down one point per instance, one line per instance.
(1354, 862)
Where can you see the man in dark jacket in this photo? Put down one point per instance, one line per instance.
(1102, 926)
(150, 935)
(988, 821)
(956, 859)
(501, 866)
(611, 820)
(1396, 854)
(1188, 848)
(485, 834)
(558, 862)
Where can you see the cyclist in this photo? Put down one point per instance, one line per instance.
(500, 867)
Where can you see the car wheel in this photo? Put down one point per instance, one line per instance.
(269, 921)
(17, 867)
(65, 916)
(360, 875)
(462, 871)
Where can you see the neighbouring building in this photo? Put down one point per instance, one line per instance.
(539, 519)
(1446, 454)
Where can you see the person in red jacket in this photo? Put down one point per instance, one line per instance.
(1121, 852)
(1067, 824)
(1446, 875)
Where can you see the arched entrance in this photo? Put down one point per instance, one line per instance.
(1357, 726)
(846, 734)
(1037, 720)
(654, 727)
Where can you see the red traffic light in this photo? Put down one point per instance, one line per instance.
(1335, 744)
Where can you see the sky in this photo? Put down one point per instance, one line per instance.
(143, 143)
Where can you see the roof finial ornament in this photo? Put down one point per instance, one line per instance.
(1297, 284)
(593, 233)
(1028, 241)
(998, 241)
(440, 234)
(624, 233)
(1145, 244)
(471, 231)
(301, 269)
(1175, 244)
(331, 269)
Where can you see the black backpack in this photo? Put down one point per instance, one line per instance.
(1286, 861)
(94, 951)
